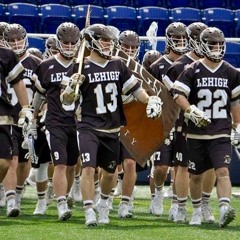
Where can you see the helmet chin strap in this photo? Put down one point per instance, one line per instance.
(66, 57)
(102, 55)
(20, 53)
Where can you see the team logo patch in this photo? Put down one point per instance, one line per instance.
(112, 165)
(227, 159)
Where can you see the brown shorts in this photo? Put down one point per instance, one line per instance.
(98, 149)
(207, 154)
(180, 150)
(17, 139)
(62, 142)
(164, 155)
(6, 146)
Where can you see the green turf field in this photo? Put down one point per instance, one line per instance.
(142, 226)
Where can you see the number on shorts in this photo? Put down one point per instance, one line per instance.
(85, 157)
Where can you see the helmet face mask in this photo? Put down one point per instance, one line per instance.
(193, 31)
(100, 40)
(18, 46)
(130, 51)
(177, 44)
(129, 42)
(195, 46)
(68, 40)
(213, 44)
(176, 38)
(15, 37)
(106, 46)
(67, 50)
(50, 47)
(3, 25)
(214, 51)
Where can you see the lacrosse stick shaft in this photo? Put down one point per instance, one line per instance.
(80, 61)
(82, 50)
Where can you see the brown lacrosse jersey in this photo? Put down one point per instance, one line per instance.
(48, 78)
(101, 102)
(11, 72)
(30, 64)
(212, 91)
(172, 74)
(160, 67)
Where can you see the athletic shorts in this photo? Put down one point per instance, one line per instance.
(6, 146)
(17, 145)
(41, 149)
(164, 155)
(98, 149)
(180, 150)
(62, 142)
(207, 154)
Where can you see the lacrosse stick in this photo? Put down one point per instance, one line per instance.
(81, 51)
(152, 35)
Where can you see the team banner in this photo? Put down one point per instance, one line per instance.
(143, 136)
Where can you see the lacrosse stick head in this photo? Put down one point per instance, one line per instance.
(152, 35)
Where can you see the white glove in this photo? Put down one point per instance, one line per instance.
(198, 117)
(27, 131)
(68, 95)
(25, 116)
(154, 107)
(235, 136)
(32, 129)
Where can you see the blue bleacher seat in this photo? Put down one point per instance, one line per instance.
(20, 1)
(25, 14)
(2, 13)
(144, 3)
(237, 22)
(84, 2)
(79, 15)
(108, 3)
(42, 2)
(179, 3)
(221, 18)
(232, 53)
(161, 46)
(149, 14)
(122, 17)
(37, 42)
(52, 15)
(202, 4)
(234, 4)
(185, 15)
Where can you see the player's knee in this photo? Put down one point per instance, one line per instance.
(222, 172)
(42, 173)
(196, 178)
(129, 164)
